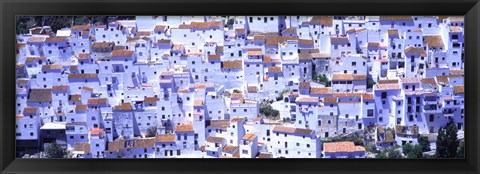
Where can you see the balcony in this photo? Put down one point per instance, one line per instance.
(431, 109)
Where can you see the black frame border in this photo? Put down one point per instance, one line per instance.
(10, 8)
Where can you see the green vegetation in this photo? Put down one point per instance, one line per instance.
(322, 78)
(280, 95)
(412, 151)
(54, 150)
(370, 83)
(356, 137)
(237, 91)
(267, 111)
(389, 153)
(447, 143)
(151, 132)
(226, 93)
(24, 23)
(394, 154)
(461, 150)
(423, 141)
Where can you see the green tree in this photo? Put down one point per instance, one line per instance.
(394, 154)
(461, 150)
(24, 23)
(321, 78)
(268, 111)
(415, 152)
(423, 141)
(151, 132)
(407, 148)
(382, 155)
(280, 95)
(370, 83)
(54, 150)
(447, 142)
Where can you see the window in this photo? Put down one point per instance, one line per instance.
(384, 95)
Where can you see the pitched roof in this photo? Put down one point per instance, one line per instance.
(123, 107)
(304, 85)
(103, 45)
(252, 89)
(165, 138)
(430, 81)
(51, 67)
(342, 77)
(75, 98)
(306, 100)
(236, 64)
(30, 110)
(151, 99)
(387, 86)
(321, 90)
(274, 69)
(249, 137)
(434, 41)
(230, 149)
(56, 39)
(414, 50)
(122, 53)
(159, 28)
(274, 40)
(459, 89)
(339, 39)
(265, 155)
(97, 101)
(83, 56)
(410, 80)
(184, 128)
(443, 79)
(82, 146)
(345, 146)
(219, 123)
(60, 88)
(40, 95)
(81, 107)
(83, 76)
(96, 131)
(330, 100)
(322, 20)
(292, 130)
(392, 32)
(198, 103)
(213, 139)
(459, 72)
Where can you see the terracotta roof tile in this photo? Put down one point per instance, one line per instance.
(166, 138)
(82, 147)
(410, 80)
(184, 128)
(459, 89)
(122, 53)
(434, 41)
(230, 149)
(346, 146)
(306, 100)
(237, 64)
(275, 69)
(249, 137)
(321, 90)
(213, 139)
(322, 20)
